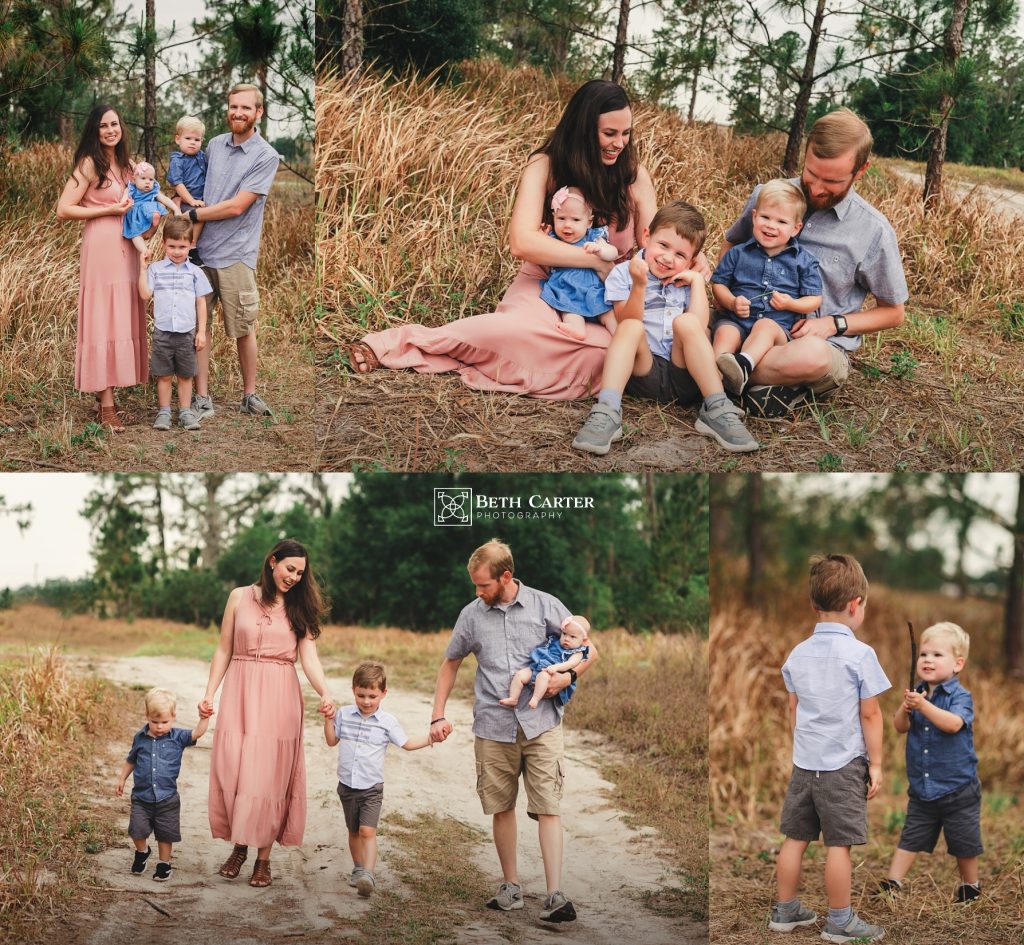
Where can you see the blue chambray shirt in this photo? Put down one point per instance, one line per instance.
(190, 170)
(748, 271)
(501, 638)
(831, 672)
(939, 763)
(662, 305)
(364, 742)
(157, 763)
(175, 289)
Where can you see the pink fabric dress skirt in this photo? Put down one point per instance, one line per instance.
(111, 349)
(258, 768)
(517, 348)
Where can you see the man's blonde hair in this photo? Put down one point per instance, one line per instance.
(246, 87)
(160, 700)
(835, 580)
(370, 674)
(837, 133)
(496, 555)
(782, 191)
(189, 123)
(960, 642)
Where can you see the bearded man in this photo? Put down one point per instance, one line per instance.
(857, 251)
(241, 167)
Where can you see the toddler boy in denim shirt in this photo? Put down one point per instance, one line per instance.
(155, 762)
(834, 682)
(945, 794)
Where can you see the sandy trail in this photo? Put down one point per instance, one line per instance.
(608, 864)
(1003, 200)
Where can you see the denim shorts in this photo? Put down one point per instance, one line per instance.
(957, 815)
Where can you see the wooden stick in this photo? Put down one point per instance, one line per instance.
(913, 657)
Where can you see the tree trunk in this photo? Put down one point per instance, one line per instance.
(352, 39)
(652, 503)
(696, 71)
(619, 55)
(791, 162)
(158, 503)
(1013, 632)
(149, 108)
(939, 136)
(261, 74)
(213, 524)
(755, 539)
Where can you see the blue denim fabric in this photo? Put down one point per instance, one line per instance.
(938, 762)
(157, 763)
(190, 170)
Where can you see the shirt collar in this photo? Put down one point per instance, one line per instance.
(826, 626)
(168, 263)
(949, 686)
(792, 245)
(144, 733)
(517, 600)
(354, 710)
(246, 145)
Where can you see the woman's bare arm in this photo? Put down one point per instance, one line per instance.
(225, 647)
(645, 204)
(69, 204)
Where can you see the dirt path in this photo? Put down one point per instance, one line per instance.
(1001, 199)
(608, 865)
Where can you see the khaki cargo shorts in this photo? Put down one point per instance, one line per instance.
(499, 764)
(235, 286)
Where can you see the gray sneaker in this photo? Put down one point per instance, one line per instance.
(202, 404)
(558, 909)
(779, 922)
(724, 424)
(508, 897)
(352, 880)
(734, 378)
(188, 418)
(856, 930)
(602, 427)
(254, 404)
(365, 883)
(163, 419)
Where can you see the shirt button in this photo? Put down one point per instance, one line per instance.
(926, 774)
(926, 751)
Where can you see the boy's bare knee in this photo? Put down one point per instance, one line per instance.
(367, 833)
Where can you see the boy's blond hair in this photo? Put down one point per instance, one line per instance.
(189, 123)
(837, 133)
(178, 228)
(370, 674)
(160, 700)
(496, 555)
(960, 642)
(835, 580)
(685, 219)
(782, 191)
(246, 87)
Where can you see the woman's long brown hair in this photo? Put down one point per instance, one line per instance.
(89, 146)
(304, 604)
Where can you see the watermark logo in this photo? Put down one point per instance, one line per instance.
(453, 506)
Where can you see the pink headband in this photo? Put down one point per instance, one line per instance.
(561, 195)
(576, 624)
(144, 166)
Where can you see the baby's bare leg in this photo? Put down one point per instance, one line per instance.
(139, 242)
(518, 681)
(572, 325)
(609, 322)
(163, 851)
(764, 336)
(540, 686)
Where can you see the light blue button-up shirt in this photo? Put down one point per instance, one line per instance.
(831, 672)
(364, 742)
(175, 289)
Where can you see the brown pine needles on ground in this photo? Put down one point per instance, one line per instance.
(416, 181)
(46, 424)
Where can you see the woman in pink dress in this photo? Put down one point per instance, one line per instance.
(111, 349)
(518, 348)
(258, 769)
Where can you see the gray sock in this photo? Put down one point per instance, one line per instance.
(713, 400)
(840, 917)
(610, 398)
(788, 909)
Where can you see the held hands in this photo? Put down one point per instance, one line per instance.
(205, 709)
(327, 708)
(874, 780)
(439, 731)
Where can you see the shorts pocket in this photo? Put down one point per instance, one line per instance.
(559, 779)
(480, 778)
(249, 308)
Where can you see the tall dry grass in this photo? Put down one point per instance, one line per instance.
(50, 723)
(39, 281)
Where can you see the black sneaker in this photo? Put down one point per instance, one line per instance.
(558, 909)
(967, 892)
(773, 401)
(162, 872)
(139, 866)
(888, 888)
(194, 257)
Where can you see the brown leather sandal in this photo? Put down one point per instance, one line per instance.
(260, 873)
(369, 362)
(110, 419)
(234, 862)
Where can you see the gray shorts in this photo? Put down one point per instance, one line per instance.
(831, 803)
(361, 806)
(666, 384)
(957, 815)
(174, 353)
(162, 819)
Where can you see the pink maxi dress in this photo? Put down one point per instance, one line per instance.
(111, 349)
(258, 768)
(517, 348)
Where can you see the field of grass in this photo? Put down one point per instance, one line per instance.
(46, 424)
(659, 766)
(750, 763)
(416, 183)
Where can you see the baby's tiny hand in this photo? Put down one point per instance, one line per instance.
(780, 301)
(205, 709)
(200, 342)
(592, 248)
(742, 307)
(198, 203)
(912, 700)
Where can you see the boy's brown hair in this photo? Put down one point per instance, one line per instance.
(838, 132)
(836, 580)
(178, 228)
(496, 555)
(370, 674)
(685, 219)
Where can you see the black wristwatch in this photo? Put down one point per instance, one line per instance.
(572, 676)
(841, 324)
(193, 215)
